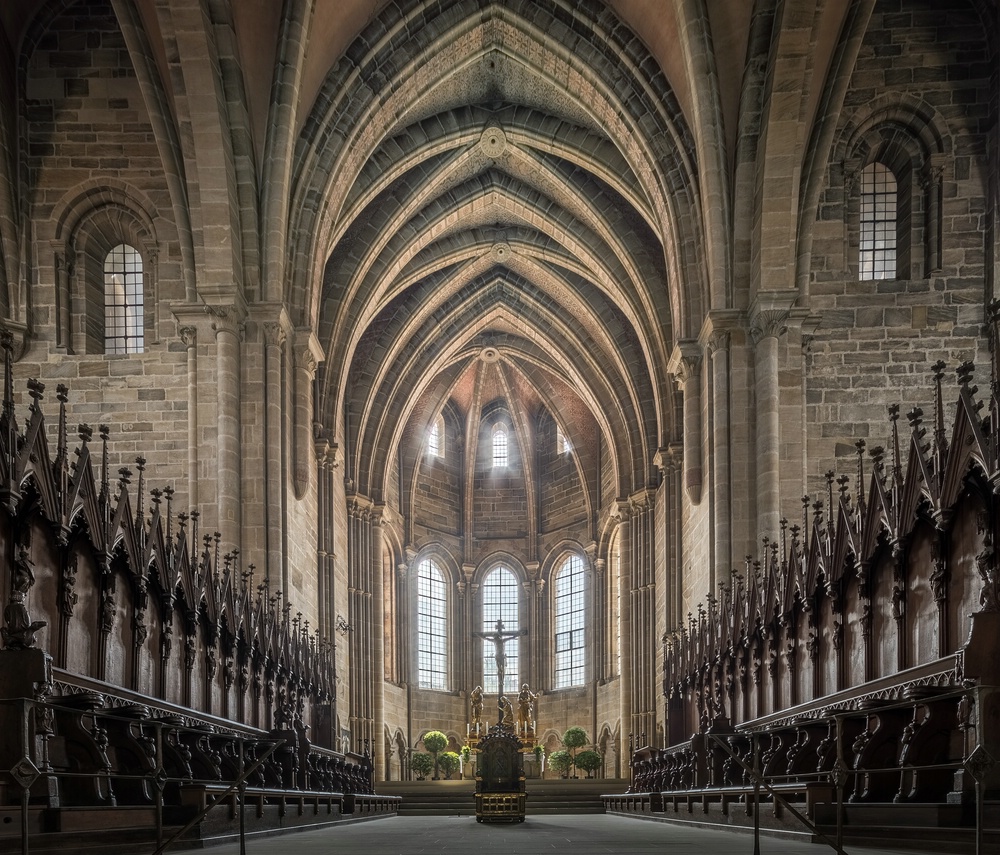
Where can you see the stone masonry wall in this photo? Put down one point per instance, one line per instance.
(500, 498)
(86, 128)
(876, 340)
(437, 496)
(561, 495)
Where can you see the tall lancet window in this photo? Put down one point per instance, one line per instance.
(500, 602)
(432, 627)
(877, 248)
(570, 613)
(123, 298)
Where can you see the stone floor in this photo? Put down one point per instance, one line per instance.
(537, 835)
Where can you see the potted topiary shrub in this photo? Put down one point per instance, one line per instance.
(421, 763)
(589, 760)
(560, 761)
(449, 763)
(435, 741)
(573, 738)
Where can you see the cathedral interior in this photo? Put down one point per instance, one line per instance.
(341, 334)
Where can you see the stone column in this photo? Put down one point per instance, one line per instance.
(531, 671)
(274, 505)
(378, 642)
(600, 638)
(931, 180)
(473, 648)
(324, 538)
(767, 323)
(643, 619)
(670, 460)
(685, 365)
(403, 664)
(625, 623)
(718, 347)
(308, 353)
(63, 272)
(228, 326)
(189, 335)
(355, 603)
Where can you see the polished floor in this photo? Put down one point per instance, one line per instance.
(538, 835)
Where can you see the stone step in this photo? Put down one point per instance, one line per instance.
(457, 798)
(892, 815)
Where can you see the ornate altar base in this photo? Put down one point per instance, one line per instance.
(500, 795)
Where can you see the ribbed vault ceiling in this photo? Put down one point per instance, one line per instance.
(503, 177)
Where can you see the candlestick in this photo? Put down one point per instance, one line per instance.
(466, 729)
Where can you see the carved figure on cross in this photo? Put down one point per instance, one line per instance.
(499, 637)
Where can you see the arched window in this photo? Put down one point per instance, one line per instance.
(123, 301)
(562, 443)
(570, 623)
(877, 241)
(432, 627)
(499, 446)
(500, 602)
(435, 439)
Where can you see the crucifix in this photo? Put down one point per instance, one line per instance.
(499, 637)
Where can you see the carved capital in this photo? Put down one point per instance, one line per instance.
(641, 502)
(306, 361)
(188, 335)
(933, 171)
(852, 175)
(685, 361)
(669, 459)
(227, 319)
(719, 341)
(772, 313)
(768, 323)
(274, 334)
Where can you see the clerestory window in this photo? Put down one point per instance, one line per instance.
(435, 439)
(499, 447)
